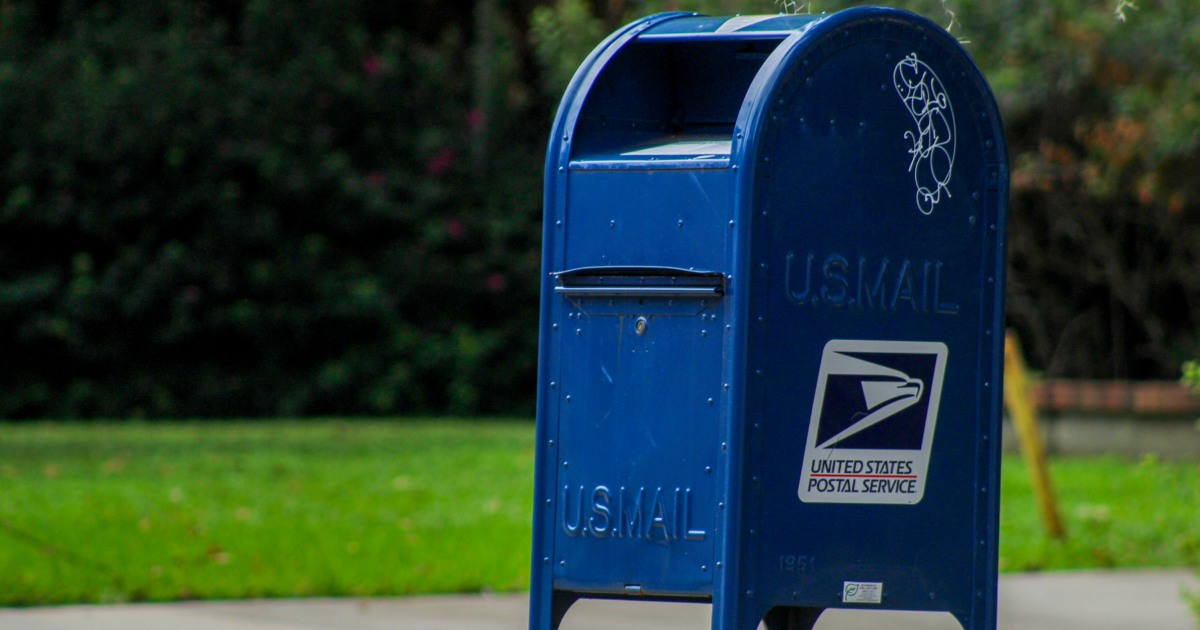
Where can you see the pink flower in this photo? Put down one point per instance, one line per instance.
(372, 65)
(475, 119)
(192, 294)
(497, 282)
(455, 228)
(441, 162)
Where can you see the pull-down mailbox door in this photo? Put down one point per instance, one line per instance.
(636, 492)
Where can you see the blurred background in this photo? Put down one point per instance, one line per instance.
(316, 225)
(218, 208)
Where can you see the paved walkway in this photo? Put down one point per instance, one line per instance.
(1120, 600)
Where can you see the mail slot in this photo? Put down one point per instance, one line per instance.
(770, 336)
(636, 282)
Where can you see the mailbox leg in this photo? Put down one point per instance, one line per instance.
(547, 613)
(792, 618)
(560, 604)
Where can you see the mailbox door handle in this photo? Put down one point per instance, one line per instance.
(638, 291)
(663, 282)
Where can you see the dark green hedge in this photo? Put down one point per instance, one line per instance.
(269, 207)
(272, 207)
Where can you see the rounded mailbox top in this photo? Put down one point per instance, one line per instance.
(870, 129)
(741, 26)
(869, 117)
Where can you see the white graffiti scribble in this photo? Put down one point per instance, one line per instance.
(933, 142)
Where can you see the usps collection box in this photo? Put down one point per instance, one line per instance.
(771, 322)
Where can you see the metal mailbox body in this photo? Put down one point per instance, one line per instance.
(771, 348)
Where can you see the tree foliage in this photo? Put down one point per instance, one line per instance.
(1104, 135)
(252, 207)
(268, 208)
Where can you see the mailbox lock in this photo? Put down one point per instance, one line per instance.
(639, 326)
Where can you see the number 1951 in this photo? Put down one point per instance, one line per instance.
(789, 563)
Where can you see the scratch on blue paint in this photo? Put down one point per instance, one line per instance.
(700, 187)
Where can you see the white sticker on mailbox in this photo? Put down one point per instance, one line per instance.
(873, 417)
(862, 592)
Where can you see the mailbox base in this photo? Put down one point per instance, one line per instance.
(560, 603)
(792, 618)
(778, 618)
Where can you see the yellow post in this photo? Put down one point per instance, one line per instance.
(1020, 410)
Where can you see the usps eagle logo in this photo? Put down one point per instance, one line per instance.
(873, 419)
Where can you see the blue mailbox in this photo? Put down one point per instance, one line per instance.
(770, 361)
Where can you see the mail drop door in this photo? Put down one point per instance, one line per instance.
(636, 511)
(770, 338)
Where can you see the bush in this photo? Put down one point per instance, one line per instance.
(329, 207)
(271, 209)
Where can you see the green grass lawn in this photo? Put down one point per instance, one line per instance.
(114, 512)
(1118, 513)
(119, 512)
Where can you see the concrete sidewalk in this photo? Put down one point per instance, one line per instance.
(1119, 600)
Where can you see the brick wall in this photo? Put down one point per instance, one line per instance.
(1125, 398)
